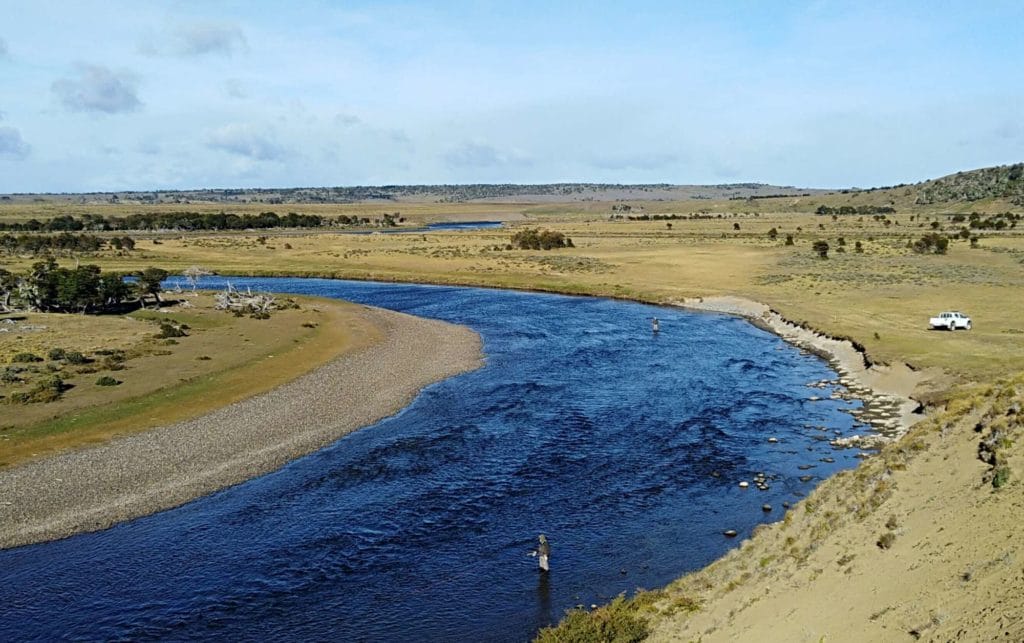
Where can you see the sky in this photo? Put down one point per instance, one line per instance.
(136, 95)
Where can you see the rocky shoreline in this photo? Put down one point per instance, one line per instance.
(94, 488)
(884, 390)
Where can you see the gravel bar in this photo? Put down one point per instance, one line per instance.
(94, 488)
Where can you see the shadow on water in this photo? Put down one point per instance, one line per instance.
(625, 449)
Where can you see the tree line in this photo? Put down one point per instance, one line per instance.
(47, 287)
(186, 221)
(61, 243)
(167, 221)
(855, 209)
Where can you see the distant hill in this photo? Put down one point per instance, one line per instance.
(993, 187)
(542, 193)
(1002, 182)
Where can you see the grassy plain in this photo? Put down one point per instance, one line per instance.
(222, 360)
(882, 296)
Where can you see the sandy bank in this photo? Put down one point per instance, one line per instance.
(92, 489)
(918, 543)
(888, 387)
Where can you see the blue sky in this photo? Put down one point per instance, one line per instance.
(161, 95)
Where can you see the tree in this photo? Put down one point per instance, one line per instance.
(112, 289)
(39, 289)
(77, 289)
(149, 283)
(773, 234)
(931, 243)
(789, 239)
(821, 247)
(735, 226)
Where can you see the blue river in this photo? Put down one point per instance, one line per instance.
(624, 447)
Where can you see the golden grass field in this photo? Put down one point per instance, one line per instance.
(881, 297)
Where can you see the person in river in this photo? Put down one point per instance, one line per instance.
(542, 552)
(654, 325)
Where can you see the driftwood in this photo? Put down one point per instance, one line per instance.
(193, 274)
(247, 302)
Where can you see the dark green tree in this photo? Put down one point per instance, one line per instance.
(149, 283)
(821, 247)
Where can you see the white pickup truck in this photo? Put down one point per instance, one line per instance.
(950, 321)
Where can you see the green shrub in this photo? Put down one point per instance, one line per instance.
(618, 621)
(47, 390)
(74, 357)
(10, 375)
(1001, 477)
(537, 239)
(168, 330)
(106, 380)
(25, 358)
(56, 354)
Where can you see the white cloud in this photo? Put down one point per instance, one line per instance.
(198, 39)
(643, 161)
(476, 154)
(98, 89)
(247, 140)
(347, 120)
(236, 88)
(12, 145)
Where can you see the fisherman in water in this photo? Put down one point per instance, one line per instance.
(542, 552)
(654, 325)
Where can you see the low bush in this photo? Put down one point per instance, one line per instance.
(74, 357)
(168, 330)
(617, 621)
(46, 390)
(106, 380)
(25, 358)
(56, 354)
(886, 540)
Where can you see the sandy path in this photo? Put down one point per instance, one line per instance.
(94, 488)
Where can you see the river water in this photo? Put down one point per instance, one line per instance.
(623, 447)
